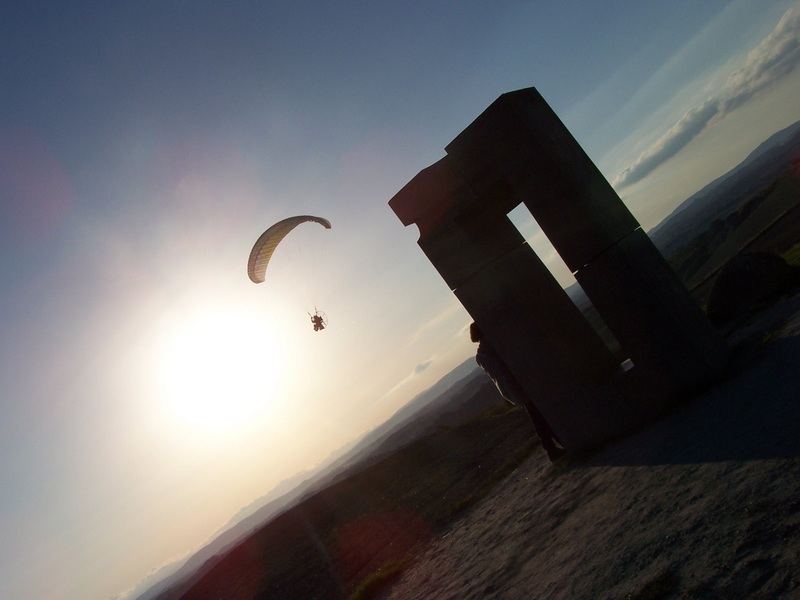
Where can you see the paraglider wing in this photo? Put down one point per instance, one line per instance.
(265, 245)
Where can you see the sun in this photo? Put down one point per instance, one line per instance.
(218, 370)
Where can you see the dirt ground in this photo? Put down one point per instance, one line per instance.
(703, 504)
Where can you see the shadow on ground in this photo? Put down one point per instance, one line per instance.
(749, 415)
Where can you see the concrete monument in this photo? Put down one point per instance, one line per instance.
(518, 151)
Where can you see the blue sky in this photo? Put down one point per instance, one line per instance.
(149, 390)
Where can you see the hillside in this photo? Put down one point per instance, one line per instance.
(458, 397)
(754, 208)
(330, 542)
(704, 504)
(728, 193)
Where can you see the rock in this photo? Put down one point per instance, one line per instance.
(746, 281)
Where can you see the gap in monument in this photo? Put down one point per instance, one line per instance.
(527, 226)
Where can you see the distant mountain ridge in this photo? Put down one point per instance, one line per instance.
(763, 165)
(444, 403)
(425, 406)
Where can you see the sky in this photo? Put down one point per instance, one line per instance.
(149, 390)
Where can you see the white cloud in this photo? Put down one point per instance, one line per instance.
(680, 134)
(422, 366)
(772, 59)
(775, 57)
(411, 377)
(440, 362)
(433, 323)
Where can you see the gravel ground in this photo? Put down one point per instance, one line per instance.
(703, 504)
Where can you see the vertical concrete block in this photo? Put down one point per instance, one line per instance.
(521, 140)
(653, 316)
(518, 151)
(554, 353)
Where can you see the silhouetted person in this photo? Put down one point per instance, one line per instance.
(488, 360)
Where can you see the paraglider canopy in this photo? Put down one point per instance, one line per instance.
(269, 240)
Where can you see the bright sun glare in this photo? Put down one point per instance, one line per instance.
(218, 372)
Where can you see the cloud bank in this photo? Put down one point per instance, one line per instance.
(773, 58)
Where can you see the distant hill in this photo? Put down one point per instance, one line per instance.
(451, 401)
(374, 519)
(461, 402)
(456, 398)
(725, 194)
